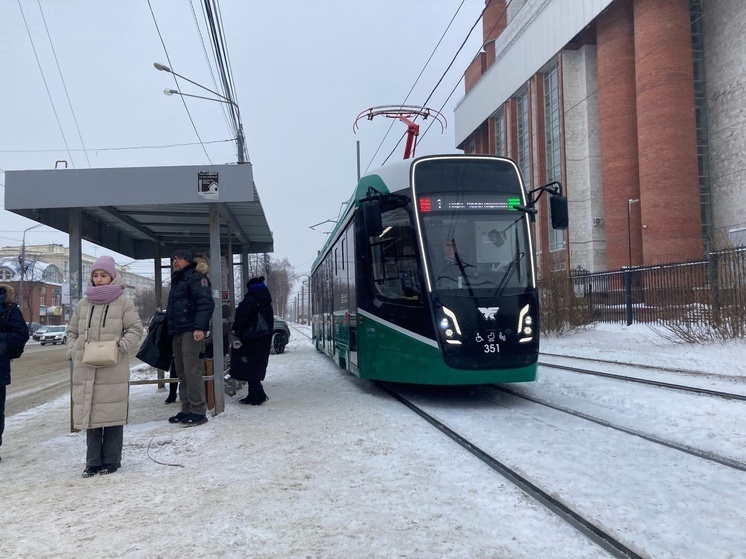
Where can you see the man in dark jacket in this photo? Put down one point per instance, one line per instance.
(249, 361)
(190, 307)
(13, 336)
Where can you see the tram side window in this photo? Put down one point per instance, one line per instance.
(395, 268)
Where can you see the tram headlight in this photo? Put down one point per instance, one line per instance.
(525, 326)
(449, 326)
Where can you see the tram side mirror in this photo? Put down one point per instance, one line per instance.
(558, 212)
(372, 218)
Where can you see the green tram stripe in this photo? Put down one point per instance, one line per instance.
(389, 352)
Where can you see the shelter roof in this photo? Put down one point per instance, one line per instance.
(134, 210)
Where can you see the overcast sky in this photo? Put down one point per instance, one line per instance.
(303, 71)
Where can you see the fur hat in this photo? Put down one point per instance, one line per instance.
(184, 253)
(10, 293)
(254, 281)
(105, 263)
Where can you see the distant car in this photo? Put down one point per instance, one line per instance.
(33, 327)
(280, 335)
(54, 335)
(37, 334)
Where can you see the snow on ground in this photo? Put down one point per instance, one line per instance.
(329, 467)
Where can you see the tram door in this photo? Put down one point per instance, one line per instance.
(351, 317)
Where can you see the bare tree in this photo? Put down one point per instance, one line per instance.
(145, 302)
(280, 282)
(278, 276)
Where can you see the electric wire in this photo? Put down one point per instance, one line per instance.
(497, 21)
(46, 86)
(450, 65)
(64, 85)
(117, 148)
(224, 42)
(234, 91)
(228, 67)
(168, 58)
(219, 66)
(218, 41)
(219, 54)
(416, 81)
(223, 108)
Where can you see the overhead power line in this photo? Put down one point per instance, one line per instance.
(44, 79)
(121, 148)
(416, 81)
(223, 108)
(186, 108)
(64, 85)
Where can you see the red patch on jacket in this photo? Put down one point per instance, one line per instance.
(204, 282)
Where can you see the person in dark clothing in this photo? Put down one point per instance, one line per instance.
(13, 336)
(157, 350)
(190, 307)
(249, 362)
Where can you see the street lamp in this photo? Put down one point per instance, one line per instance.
(240, 140)
(23, 265)
(629, 228)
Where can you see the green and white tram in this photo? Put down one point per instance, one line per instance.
(429, 275)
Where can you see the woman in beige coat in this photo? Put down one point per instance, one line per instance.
(101, 394)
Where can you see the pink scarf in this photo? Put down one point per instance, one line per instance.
(103, 294)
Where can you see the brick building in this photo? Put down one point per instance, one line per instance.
(46, 282)
(637, 106)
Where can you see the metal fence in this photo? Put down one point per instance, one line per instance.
(700, 292)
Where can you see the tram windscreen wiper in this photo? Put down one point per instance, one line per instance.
(509, 274)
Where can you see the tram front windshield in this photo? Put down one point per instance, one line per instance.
(476, 242)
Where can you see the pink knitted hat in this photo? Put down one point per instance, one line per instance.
(105, 263)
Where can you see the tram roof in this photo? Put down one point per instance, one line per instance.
(388, 178)
(134, 210)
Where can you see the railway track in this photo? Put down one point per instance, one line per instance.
(657, 368)
(660, 384)
(588, 528)
(711, 456)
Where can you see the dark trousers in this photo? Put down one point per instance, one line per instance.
(104, 446)
(2, 412)
(188, 360)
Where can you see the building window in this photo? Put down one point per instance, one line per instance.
(524, 138)
(700, 108)
(6, 274)
(553, 144)
(500, 132)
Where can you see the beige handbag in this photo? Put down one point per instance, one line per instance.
(100, 354)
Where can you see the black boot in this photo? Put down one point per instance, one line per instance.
(256, 395)
(171, 392)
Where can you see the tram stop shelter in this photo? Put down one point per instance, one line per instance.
(148, 213)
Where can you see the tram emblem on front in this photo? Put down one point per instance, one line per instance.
(489, 313)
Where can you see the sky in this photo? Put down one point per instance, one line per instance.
(303, 71)
(331, 467)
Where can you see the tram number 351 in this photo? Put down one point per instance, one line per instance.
(492, 348)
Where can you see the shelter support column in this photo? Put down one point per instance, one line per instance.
(75, 278)
(217, 314)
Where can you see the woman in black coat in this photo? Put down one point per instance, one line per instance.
(249, 362)
(13, 336)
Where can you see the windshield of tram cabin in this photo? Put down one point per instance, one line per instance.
(476, 242)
